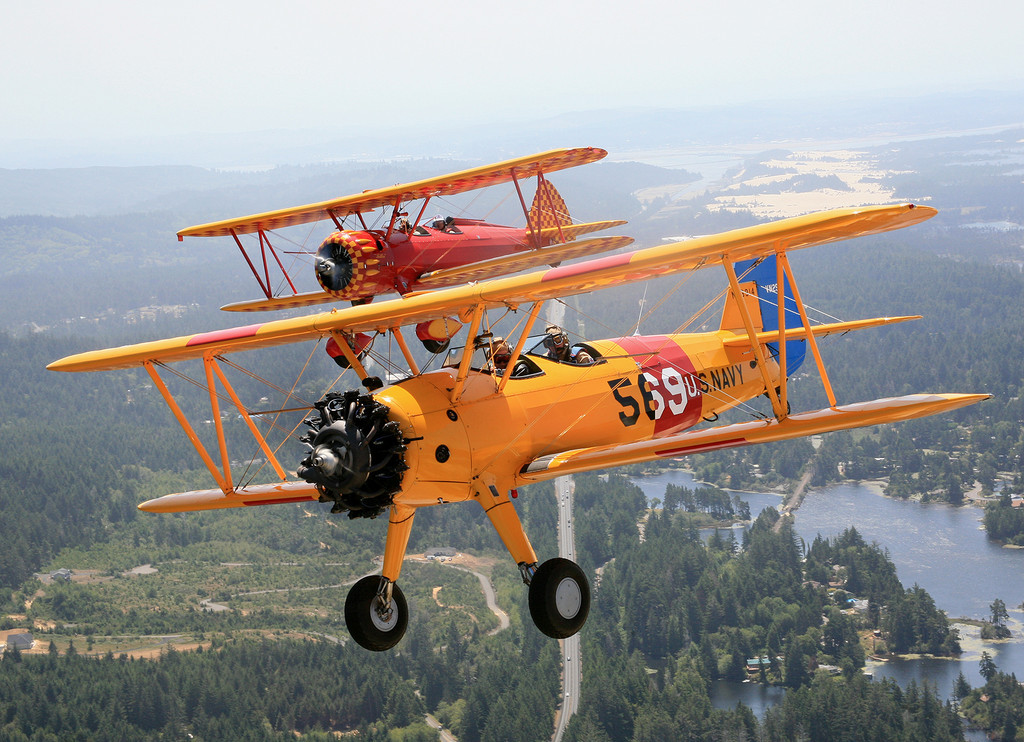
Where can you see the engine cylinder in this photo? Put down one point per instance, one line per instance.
(348, 265)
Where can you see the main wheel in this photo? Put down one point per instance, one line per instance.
(368, 627)
(559, 598)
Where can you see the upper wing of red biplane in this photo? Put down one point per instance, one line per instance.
(739, 244)
(443, 185)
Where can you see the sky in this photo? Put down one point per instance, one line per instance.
(122, 68)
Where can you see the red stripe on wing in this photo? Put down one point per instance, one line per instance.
(590, 266)
(282, 500)
(681, 450)
(219, 336)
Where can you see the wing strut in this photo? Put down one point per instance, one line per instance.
(467, 353)
(519, 345)
(350, 356)
(187, 427)
(394, 217)
(784, 263)
(522, 202)
(222, 476)
(264, 245)
(780, 281)
(396, 333)
(778, 395)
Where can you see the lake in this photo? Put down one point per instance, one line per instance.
(941, 548)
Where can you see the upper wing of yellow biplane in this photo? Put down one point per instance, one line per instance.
(739, 244)
(443, 185)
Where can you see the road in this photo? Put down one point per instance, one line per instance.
(572, 672)
(489, 596)
(443, 734)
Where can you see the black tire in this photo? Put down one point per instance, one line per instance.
(559, 598)
(365, 626)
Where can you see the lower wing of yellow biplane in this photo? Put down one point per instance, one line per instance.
(845, 417)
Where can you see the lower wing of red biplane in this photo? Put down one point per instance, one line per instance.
(454, 434)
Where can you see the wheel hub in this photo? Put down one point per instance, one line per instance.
(381, 618)
(568, 598)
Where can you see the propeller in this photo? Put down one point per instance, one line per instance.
(356, 457)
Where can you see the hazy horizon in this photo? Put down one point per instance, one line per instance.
(120, 76)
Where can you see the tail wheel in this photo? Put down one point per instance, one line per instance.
(374, 625)
(559, 598)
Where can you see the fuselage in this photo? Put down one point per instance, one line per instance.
(383, 266)
(639, 388)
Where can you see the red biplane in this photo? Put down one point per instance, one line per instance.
(407, 255)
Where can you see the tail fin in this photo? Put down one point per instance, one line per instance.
(759, 284)
(549, 211)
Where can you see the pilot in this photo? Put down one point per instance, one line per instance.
(444, 224)
(500, 354)
(557, 344)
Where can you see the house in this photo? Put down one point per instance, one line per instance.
(61, 574)
(440, 552)
(754, 664)
(20, 640)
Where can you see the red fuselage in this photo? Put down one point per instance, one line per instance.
(359, 265)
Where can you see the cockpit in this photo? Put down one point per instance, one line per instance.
(492, 354)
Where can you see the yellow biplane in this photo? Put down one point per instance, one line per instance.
(498, 415)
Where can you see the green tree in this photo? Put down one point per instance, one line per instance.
(987, 667)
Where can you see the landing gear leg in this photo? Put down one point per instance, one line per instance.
(559, 591)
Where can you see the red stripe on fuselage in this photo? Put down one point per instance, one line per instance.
(672, 387)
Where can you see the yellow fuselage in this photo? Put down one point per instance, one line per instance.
(639, 388)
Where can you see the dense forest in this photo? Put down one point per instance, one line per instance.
(670, 615)
(997, 706)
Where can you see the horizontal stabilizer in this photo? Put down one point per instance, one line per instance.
(844, 417)
(569, 232)
(263, 494)
(519, 261)
(823, 330)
